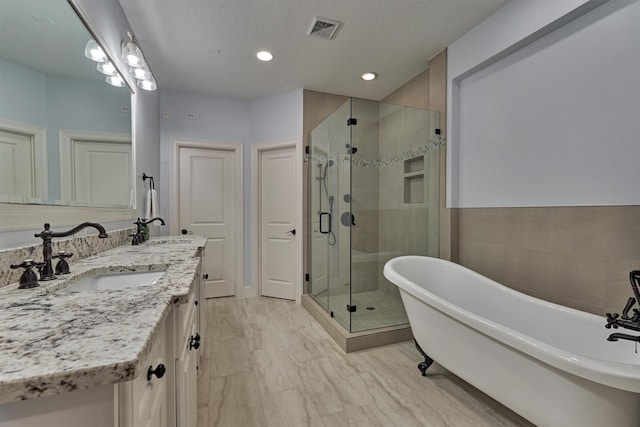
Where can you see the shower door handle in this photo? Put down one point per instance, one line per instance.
(329, 229)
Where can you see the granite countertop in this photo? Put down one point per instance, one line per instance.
(54, 342)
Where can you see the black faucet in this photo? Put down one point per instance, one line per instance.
(615, 320)
(142, 232)
(46, 271)
(616, 336)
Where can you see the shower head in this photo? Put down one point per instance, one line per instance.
(351, 149)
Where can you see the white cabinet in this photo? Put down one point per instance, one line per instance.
(163, 394)
(143, 401)
(188, 342)
(140, 402)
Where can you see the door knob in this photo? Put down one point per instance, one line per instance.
(292, 231)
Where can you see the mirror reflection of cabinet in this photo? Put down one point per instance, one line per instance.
(48, 85)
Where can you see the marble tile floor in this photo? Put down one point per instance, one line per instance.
(266, 362)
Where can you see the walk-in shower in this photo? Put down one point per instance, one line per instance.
(373, 194)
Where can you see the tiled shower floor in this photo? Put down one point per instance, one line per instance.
(384, 310)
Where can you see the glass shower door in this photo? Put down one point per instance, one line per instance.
(329, 170)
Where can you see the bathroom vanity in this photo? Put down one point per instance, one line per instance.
(113, 357)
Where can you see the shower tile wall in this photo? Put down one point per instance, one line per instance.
(408, 222)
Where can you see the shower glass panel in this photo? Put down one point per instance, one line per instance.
(373, 195)
(330, 168)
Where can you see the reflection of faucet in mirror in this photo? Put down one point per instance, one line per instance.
(142, 231)
(46, 271)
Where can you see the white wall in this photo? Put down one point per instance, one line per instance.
(542, 96)
(229, 120)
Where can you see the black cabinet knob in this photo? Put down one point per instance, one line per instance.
(158, 372)
(205, 276)
(194, 342)
(184, 231)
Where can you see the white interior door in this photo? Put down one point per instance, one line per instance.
(206, 188)
(278, 226)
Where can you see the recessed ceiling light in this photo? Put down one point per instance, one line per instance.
(265, 56)
(368, 76)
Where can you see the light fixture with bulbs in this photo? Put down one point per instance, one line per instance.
(133, 57)
(94, 52)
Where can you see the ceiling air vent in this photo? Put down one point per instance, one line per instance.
(324, 28)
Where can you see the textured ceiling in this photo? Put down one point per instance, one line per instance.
(46, 36)
(209, 46)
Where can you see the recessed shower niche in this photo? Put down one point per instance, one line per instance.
(414, 180)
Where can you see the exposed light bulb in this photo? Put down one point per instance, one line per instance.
(147, 84)
(131, 53)
(141, 73)
(133, 60)
(115, 81)
(94, 52)
(107, 68)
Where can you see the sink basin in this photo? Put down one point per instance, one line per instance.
(115, 280)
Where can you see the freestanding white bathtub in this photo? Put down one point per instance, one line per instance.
(551, 364)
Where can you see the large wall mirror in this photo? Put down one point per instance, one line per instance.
(65, 134)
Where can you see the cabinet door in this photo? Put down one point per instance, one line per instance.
(143, 402)
(201, 303)
(187, 380)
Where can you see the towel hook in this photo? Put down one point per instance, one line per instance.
(145, 177)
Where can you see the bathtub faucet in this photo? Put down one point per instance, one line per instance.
(615, 320)
(618, 336)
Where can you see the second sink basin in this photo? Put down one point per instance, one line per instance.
(115, 280)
